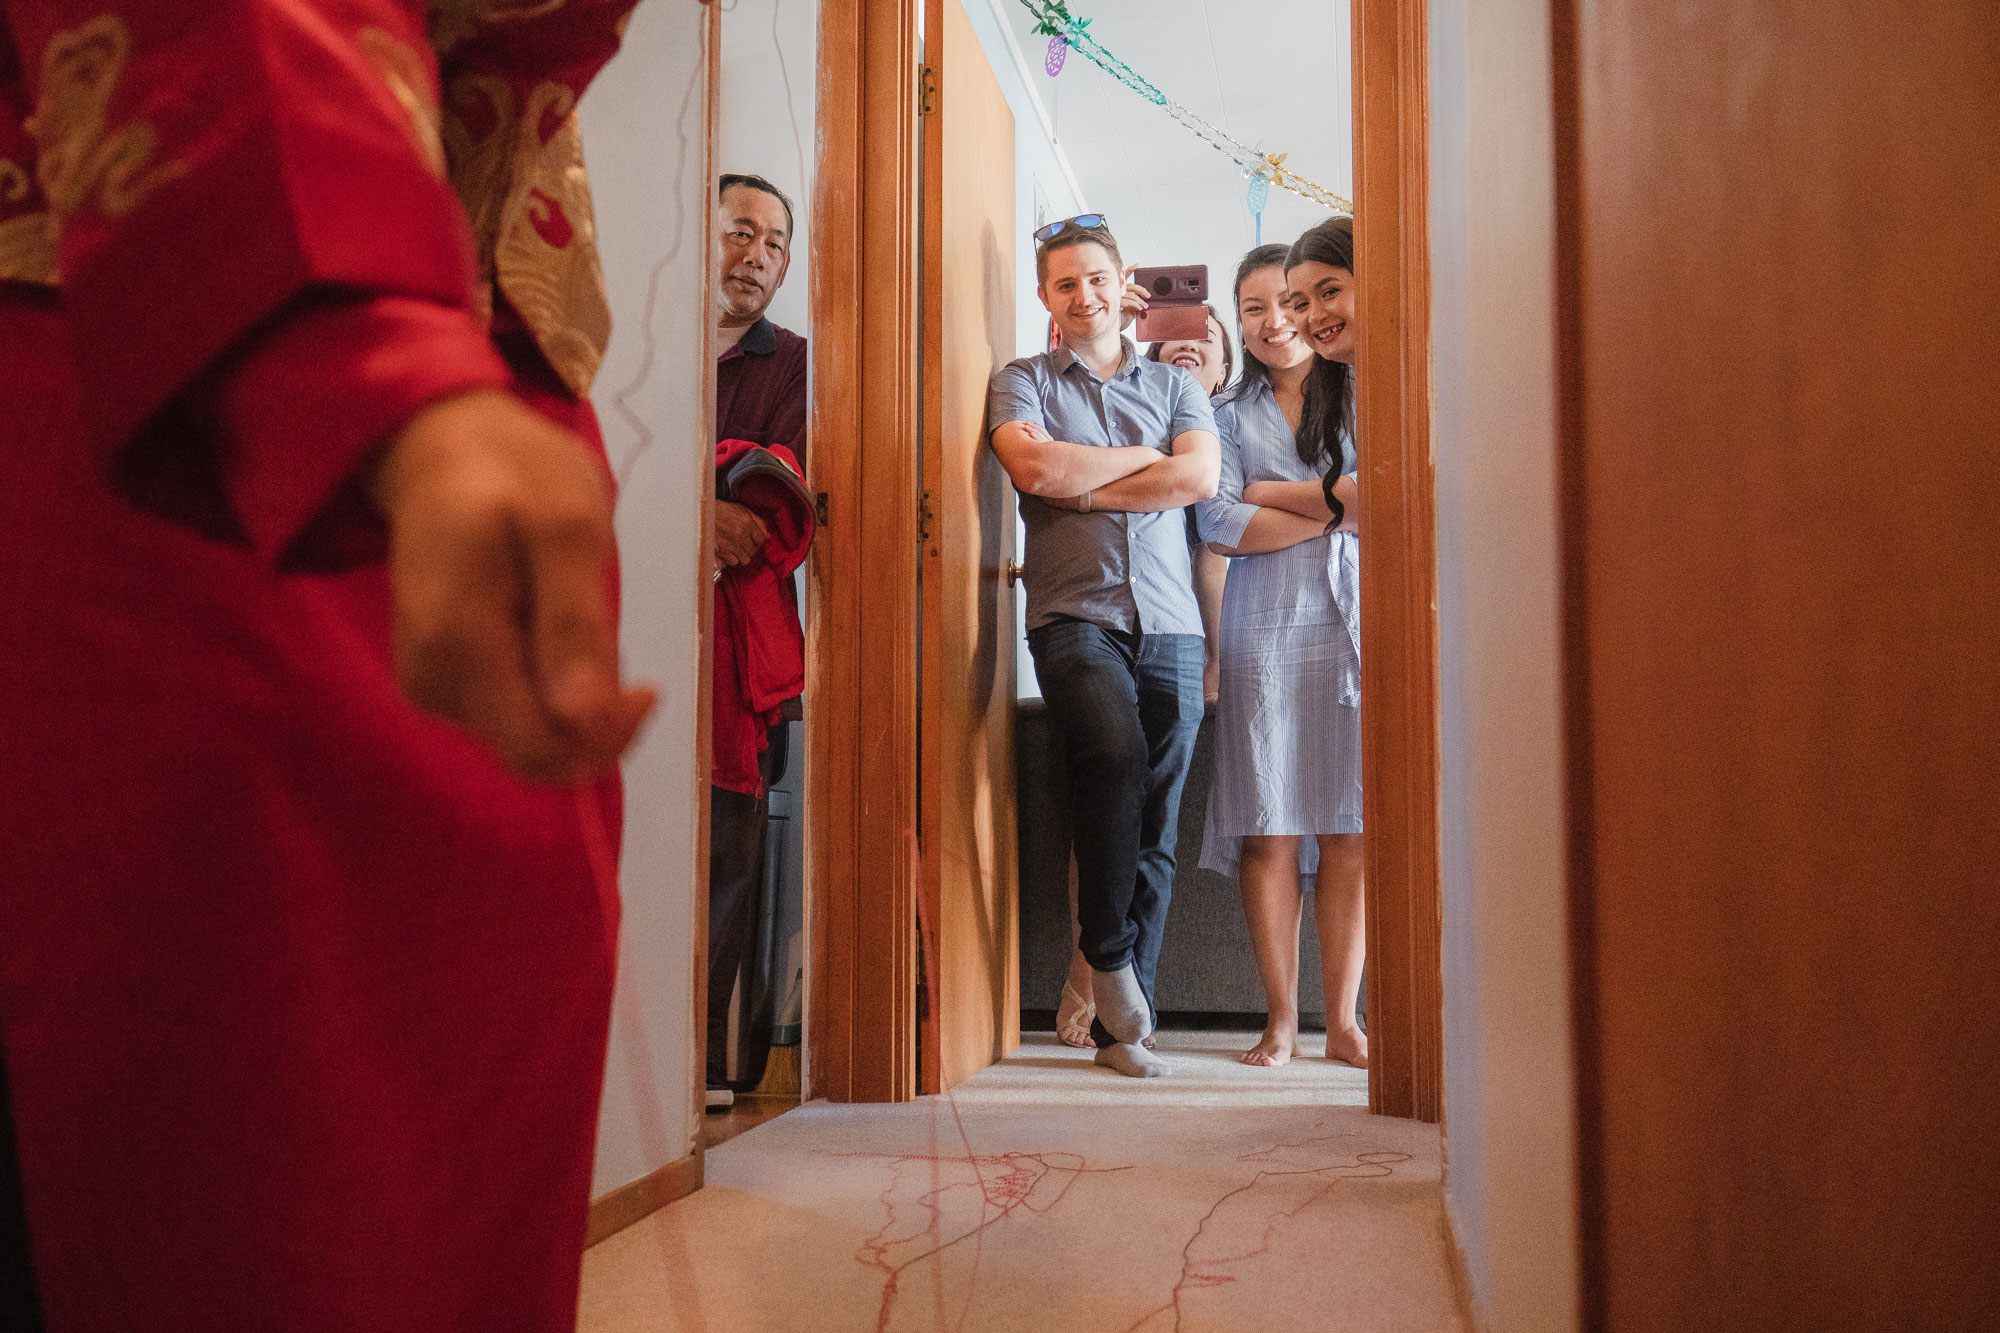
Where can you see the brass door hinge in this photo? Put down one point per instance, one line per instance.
(924, 517)
(927, 90)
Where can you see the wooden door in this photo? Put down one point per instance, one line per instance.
(970, 889)
(1398, 497)
(1780, 309)
(862, 687)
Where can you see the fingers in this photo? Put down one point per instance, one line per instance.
(1136, 297)
(459, 654)
(740, 534)
(586, 716)
(1133, 304)
(740, 548)
(501, 550)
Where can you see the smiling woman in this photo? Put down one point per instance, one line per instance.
(1211, 357)
(1285, 812)
(1319, 280)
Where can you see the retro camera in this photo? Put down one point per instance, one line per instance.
(1176, 297)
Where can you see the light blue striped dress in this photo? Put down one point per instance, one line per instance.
(1288, 723)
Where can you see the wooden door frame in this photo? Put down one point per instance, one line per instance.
(963, 965)
(1398, 520)
(861, 655)
(863, 680)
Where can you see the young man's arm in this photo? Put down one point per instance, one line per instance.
(1190, 474)
(1307, 499)
(1056, 470)
(1174, 483)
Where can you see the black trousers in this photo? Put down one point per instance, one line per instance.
(736, 828)
(1128, 707)
(20, 1308)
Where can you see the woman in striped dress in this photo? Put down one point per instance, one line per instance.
(1285, 811)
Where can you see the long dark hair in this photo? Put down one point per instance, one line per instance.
(1255, 372)
(1326, 426)
(1228, 348)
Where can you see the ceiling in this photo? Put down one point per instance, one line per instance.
(1273, 74)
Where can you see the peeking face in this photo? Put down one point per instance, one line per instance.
(1264, 311)
(1322, 301)
(1201, 355)
(1082, 290)
(756, 251)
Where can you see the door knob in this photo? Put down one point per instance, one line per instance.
(1015, 573)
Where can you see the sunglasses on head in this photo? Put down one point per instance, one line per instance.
(1082, 222)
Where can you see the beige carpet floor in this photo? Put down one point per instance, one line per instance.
(1049, 1195)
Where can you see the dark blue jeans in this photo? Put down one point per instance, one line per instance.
(1127, 707)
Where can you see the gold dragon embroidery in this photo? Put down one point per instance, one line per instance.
(81, 158)
(525, 194)
(408, 79)
(528, 200)
(27, 240)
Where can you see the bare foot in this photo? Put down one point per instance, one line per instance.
(1349, 1044)
(1275, 1048)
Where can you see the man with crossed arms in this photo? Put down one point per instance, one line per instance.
(1106, 449)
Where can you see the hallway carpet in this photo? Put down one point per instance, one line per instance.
(1055, 1196)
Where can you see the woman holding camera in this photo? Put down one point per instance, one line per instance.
(1211, 359)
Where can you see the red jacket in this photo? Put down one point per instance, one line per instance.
(760, 651)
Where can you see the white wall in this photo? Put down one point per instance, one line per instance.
(766, 104)
(1041, 172)
(1508, 1069)
(765, 100)
(644, 130)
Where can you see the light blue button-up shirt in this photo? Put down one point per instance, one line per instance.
(1316, 582)
(1123, 571)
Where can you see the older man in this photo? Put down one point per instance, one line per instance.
(760, 397)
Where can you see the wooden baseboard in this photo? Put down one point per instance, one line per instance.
(1461, 1276)
(619, 1209)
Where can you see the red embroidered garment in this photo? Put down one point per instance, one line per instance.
(304, 997)
(760, 651)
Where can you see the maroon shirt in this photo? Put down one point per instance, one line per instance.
(760, 396)
(760, 389)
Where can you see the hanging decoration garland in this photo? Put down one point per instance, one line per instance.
(1058, 52)
(1056, 22)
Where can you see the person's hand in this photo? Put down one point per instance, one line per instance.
(1211, 679)
(1135, 300)
(500, 544)
(1254, 490)
(739, 534)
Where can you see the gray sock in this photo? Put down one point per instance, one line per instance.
(1132, 1060)
(1121, 1004)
